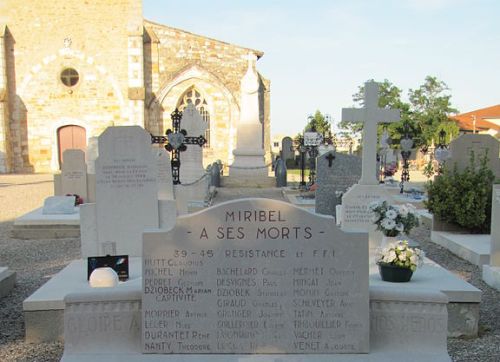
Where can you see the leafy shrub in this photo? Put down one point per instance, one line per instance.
(463, 198)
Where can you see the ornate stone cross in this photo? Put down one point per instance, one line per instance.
(176, 142)
(370, 115)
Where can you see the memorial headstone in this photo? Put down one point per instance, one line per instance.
(74, 173)
(126, 193)
(336, 172)
(481, 145)
(255, 276)
(355, 212)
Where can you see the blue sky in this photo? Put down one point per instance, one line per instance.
(317, 53)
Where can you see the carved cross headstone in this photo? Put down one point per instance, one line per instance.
(176, 141)
(370, 115)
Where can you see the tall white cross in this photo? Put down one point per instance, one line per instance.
(370, 115)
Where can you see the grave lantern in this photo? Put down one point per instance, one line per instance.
(441, 153)
(406, 144)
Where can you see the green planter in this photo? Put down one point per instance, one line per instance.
(394, 274)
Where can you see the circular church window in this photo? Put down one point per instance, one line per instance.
(69, 77)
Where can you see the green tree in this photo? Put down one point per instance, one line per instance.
(431, 105)
(426, 113)
(319, 122)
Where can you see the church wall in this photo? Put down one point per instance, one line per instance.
(102, 40)
(4, 116)
(174, 53)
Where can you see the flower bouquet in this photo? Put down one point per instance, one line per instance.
(393, 220)
(398, 261)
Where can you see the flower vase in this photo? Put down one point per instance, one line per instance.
(394, 274)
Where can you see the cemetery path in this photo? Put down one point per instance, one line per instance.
(227, 194)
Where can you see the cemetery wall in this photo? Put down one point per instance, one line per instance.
(96, 46)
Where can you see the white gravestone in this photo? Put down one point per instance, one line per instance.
(91, 154)
(255, 276)
(249, 152)
(74, 174)
(355, 212)
(59, 205)
(491, 272)
(192, 158)
(126, 188)
(165, 183)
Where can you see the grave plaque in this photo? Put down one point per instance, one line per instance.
(255, 276)
(336, 172)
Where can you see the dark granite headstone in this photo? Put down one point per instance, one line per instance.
(336, 172)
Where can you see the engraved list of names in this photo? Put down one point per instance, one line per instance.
(255, 276)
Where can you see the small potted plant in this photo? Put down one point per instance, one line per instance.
(392, 220)
(398, 261)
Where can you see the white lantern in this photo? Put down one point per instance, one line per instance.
(103, 278)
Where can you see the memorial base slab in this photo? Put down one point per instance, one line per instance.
(118, 338)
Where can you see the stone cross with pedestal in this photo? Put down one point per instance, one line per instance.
(355, 212)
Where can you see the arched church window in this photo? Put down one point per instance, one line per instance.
(69, 77)
(192, 95)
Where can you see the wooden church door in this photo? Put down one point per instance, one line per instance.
(71, 137)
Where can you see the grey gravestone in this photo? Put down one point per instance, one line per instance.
(287, 152)
(462, 146)
(192, 158)
(165, 183)
(59, 205)
(74, 173)
(336, 172)
(255, 276)
(126, 188)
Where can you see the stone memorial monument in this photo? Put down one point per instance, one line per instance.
(249, 152)
(255, 276)
(355, 212)
(335, 173)
(491, 272)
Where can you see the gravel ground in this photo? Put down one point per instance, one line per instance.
(36, 261)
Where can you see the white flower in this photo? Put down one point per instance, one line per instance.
(391, 214)
(373, 205)
(390, 257)
(388, 224)
(413, 259)
(400, 227)
(403, 210)
(402, 256)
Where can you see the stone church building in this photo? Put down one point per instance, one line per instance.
(70, 69)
